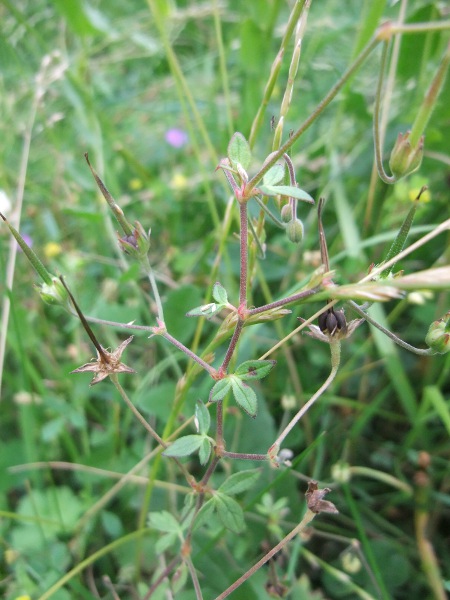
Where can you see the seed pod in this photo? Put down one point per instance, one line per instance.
(332, 321)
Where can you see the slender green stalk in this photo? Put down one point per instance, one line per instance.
(430, 100)
(11, 264)
(395, 28)
(307, 518)
(422, 241)
(335, 349)
(377, 136)
(90, 560)
(223, 67)
(383, 593)
(392, 336)
(338, 575)
(275, 70)
(429, 560)
(322, 105)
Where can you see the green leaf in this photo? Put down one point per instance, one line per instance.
(219, 293)
(274, 175)
(205, 451)
(239, 482)
(165, 542)
(229, 512)
(202, 418)
(239, 151)
(204, 514)
(220, 390)
(244, 396)
(399, 242)
(286, 190)
(254, 369)
(184, 446)
(163, 521)
(206, 310)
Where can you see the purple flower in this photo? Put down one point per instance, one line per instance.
(176, 137)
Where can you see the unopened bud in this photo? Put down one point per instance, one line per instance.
(405, 158)
(294, 230)
(137, 243)
(54, 293)
(286, 213)
(438, 336)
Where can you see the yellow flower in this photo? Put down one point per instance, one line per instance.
(135, 184)
(52, 249)
(179, 182)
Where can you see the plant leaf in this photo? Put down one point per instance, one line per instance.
(399, 242)
(244, 396)
(204, 451)
(164, 521)
(165, 542)
(206, 310)
(220, 390)
(204, 514)
(239, 482)
(254, 369)
(202, 418)
(229, 512)
(286, 190)
(219, 293)
(184, 446)
(274, 175)
(239, 151)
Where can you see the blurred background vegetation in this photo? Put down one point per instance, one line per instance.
(100, 77)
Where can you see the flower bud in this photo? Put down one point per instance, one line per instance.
(286, 213)
(438, 336)
(405, 158)
(137, 243)
(294, 230)
(54, 293)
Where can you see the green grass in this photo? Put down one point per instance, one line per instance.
(79, 474)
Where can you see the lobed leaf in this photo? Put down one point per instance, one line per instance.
(163, 521)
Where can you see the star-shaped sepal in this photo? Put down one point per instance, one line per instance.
(106, 363)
